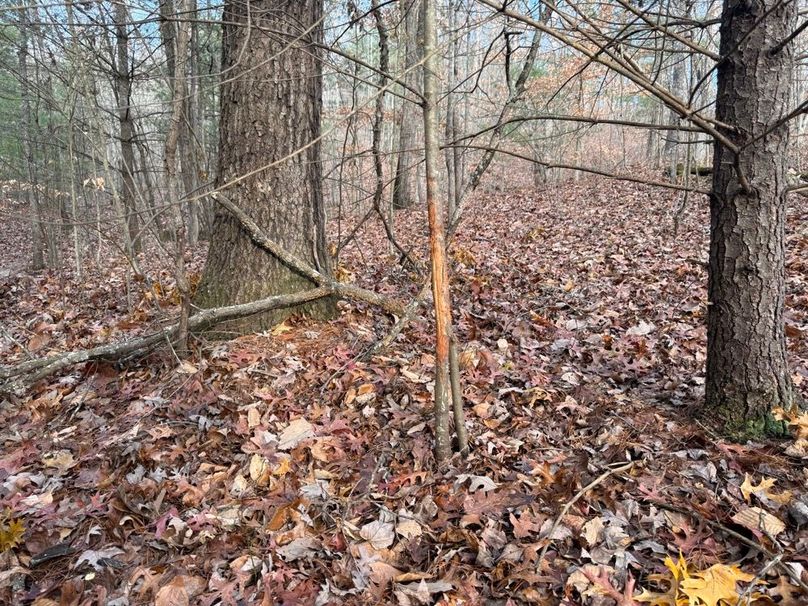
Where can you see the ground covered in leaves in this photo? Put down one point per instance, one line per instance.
(283, 469)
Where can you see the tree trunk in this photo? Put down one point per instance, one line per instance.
(437, 239)
(747, 372)
(175, 40)
(409, 143)
(187, 141)
(123, 85)
(37, 259)
(270, 152)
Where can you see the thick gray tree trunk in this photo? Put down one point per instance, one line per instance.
(747, 372)
(270, 117)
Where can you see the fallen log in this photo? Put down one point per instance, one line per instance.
(17, 379)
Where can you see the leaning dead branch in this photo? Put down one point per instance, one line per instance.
(17, 379)
(260, 238)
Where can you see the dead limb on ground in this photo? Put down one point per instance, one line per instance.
(17, 379)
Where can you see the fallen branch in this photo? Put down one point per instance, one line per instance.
(258, 236)
(17, 379)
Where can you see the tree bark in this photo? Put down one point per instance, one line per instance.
(269, 157)
(409, 142)
(37, 259)
(437, 238)
(747, 371)
(176, 41)
(123, 90)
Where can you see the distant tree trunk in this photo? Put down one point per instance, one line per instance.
(452, 154)
(747, 373)
(168, 32)
(175, 40)
(37, 259)
(123, 89)
(270, 110)
(187, 144)
(409, 143)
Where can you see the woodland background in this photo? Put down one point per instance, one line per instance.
(159, 159)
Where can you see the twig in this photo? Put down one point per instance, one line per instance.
(746, 595)
(564, 510)
(11, 338)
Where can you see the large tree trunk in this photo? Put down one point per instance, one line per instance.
(747, 373)
(270, 115)
(410, 142)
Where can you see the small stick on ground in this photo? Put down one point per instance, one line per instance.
(564, 510)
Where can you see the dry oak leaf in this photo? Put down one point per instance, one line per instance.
(798, 421)
(715, 586)
(407, 526)
(11, 534)
(61, 460)
(281, 328)
(259, 470)
(300, 548)
(790, 594)
(677, 573)
(763, 487)
(179, 591)
(97, 558)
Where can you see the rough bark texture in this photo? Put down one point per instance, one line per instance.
(747, 372)
(410, 142)
(270, 110)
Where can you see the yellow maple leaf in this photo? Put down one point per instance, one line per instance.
(715, 586)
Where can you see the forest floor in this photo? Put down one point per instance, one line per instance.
(279, 469)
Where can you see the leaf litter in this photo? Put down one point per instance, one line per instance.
(281, 468)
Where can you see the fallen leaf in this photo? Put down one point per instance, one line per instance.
(297, 431)
(303, 547)
(259, 470)
(764, 488)
(61, 460)
(95, 558)
(756, 519)
(379, 534)
(714, 585)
